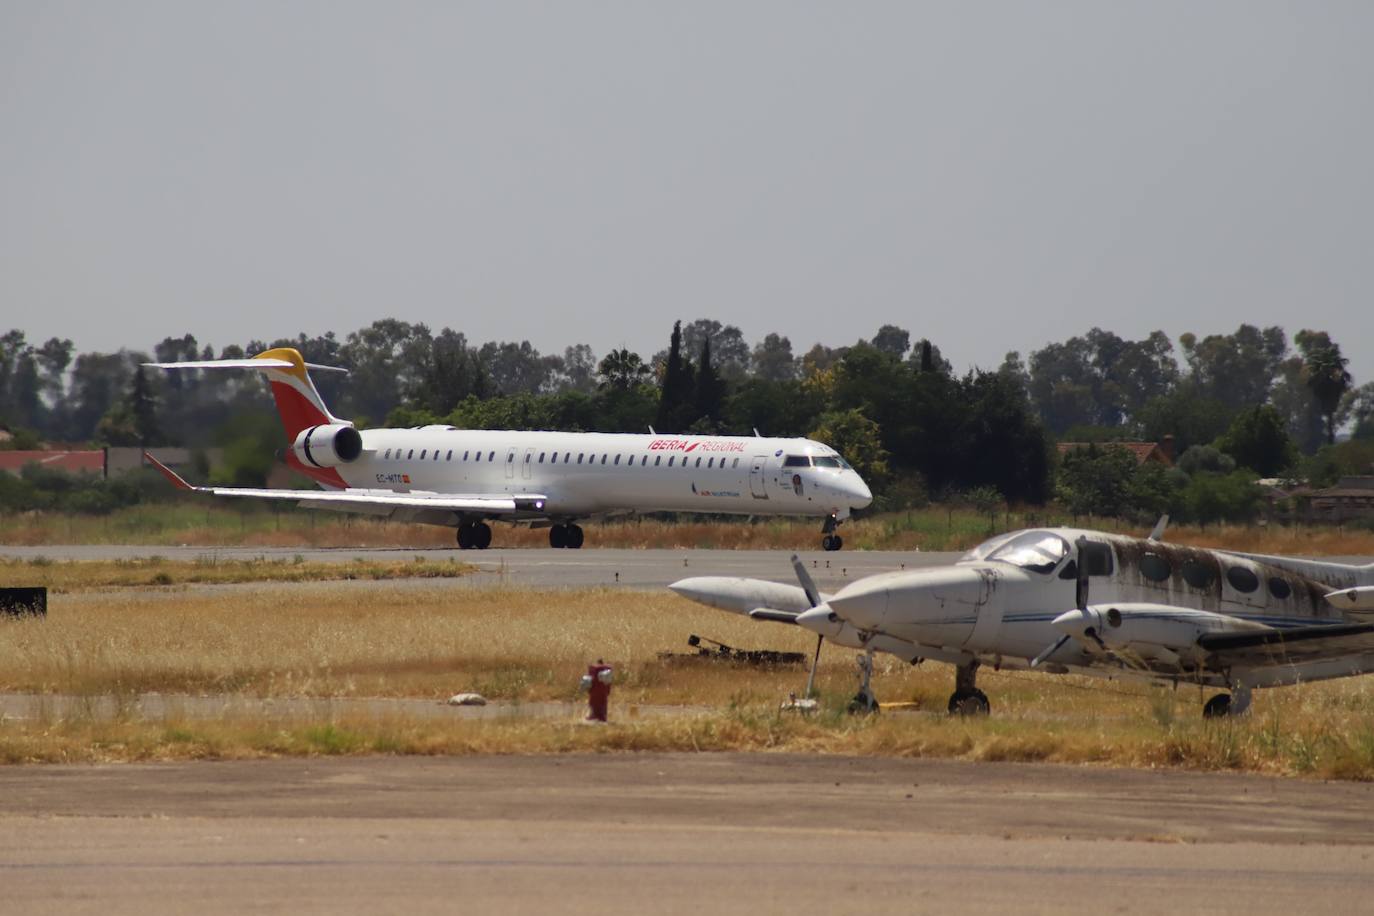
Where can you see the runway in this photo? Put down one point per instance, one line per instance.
(546, 568)
(676, 833)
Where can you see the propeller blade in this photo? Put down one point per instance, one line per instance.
(1082, 589)
(811, 678)
(1035, 662)
(808, 585)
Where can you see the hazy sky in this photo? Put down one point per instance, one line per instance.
(994, 176)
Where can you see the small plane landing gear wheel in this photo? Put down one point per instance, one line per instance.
(574, 536)
(466, 537)
(1218, 707)
(863, 703)
(832, 542)
(558, 536)
(481, 535)
(971, 702)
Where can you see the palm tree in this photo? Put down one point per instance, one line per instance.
(621, 370)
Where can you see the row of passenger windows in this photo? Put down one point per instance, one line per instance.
(1201, 575)
(552, 457)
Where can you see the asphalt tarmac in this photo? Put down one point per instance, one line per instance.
(676, 833)
(548, 568)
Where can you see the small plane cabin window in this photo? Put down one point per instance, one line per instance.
(410, 454)
(510, 459)
(736, 464)
(1155, 568)
(1279, 588)
(436, 454)
(1242, 579)
(450, 455)
(710, 462)
(528, 456)
(541, 457)
(603, 458)
(491, 456)
(1198, 574)
(422, 453)
(554, 458)
(698, 464)
(465, 456)
(567, 457)
(387, 455)
(797, 461)
(658, 459)
(643, 461)
(580, 456)
(617, 459)
(671, 459)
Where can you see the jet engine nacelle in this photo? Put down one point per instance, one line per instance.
(328, 446)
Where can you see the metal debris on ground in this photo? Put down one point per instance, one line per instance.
(467, 699)
(719, 651)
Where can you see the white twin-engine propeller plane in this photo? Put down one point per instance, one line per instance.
(1159, 612)
(462, 478)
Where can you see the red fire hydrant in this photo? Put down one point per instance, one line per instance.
(597, 683)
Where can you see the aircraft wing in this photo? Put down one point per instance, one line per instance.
(374, 502)
(1298, 644)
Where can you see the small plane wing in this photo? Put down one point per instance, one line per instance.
(376, 502)
(1297, 644)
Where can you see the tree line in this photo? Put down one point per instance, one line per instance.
(892, 404)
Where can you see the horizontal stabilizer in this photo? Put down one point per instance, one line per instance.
(241, 364)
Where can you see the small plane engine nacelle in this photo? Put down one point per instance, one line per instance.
(328, 446)
(1156, 631)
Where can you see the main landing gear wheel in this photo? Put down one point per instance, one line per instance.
(1218, 707)
(972, 702)
(832, 542)
(474, 536)
(1236, 703)
(967, 699)
(565, 536)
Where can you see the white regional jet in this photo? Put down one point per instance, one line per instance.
(461, 478)
(1160, 612)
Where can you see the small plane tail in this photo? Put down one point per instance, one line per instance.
(298, 401)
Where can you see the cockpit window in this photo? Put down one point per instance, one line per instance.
(797, 461)
(982, 550)
(824, 461)
(1038, 551)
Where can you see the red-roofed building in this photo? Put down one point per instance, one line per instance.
(1158, 452)
(85, 461)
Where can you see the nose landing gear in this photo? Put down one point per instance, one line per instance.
(829, 539)
(864, 701)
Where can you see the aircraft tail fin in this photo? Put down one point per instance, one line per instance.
(298, 401)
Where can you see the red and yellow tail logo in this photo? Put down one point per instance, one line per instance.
(298, 403)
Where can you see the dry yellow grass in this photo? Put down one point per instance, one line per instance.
(426, 639)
